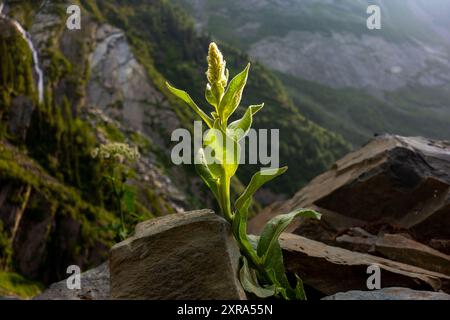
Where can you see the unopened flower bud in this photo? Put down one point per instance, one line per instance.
(216, 73)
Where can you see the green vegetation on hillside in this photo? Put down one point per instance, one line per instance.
(31, 188)
(242, 23)
(48, 178)
(178, 54)
(13, 284)
(354, 113)
(16, 75)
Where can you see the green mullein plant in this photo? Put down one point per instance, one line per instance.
(262, 270)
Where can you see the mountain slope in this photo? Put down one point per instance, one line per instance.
(403, 69)
(54, 209)
(179, 55)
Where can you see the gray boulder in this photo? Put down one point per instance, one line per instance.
(188, 256)
(94, 286)
(330, 269)
(389, 294)
(393, 184)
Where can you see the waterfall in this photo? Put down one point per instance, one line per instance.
(27, 37)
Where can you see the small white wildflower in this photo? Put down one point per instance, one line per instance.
(119, 152)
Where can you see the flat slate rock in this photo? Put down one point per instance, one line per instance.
(94, 286)
(400, 248)
(392, 183)
(389, 294)
(330, 269)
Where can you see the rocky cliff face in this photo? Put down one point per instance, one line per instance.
(328, 42)
(120, 86)
(364, 61)
(53, 212)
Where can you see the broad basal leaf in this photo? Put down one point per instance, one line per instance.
(269, 236)
(233, 95)
(183, 95)
(274, 266)
(250, 283)
(239, 226)
(269, 251)
(299, 289)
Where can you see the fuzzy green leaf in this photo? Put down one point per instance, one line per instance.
(250, 283)
(210, 96)
(253, 241)
(221, 152)
(269, 251)
(205, 173)
(183, 95)
(275, 267)
(214, 149)
(258, 180)
(299, 289)
(233, 95)
(274, 228)
(239, 226)
(240, 128)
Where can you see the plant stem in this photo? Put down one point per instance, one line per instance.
(118, 203)
(247, 251)
(225, 199)
(224, 195)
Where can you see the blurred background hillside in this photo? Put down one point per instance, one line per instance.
(346, 78)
